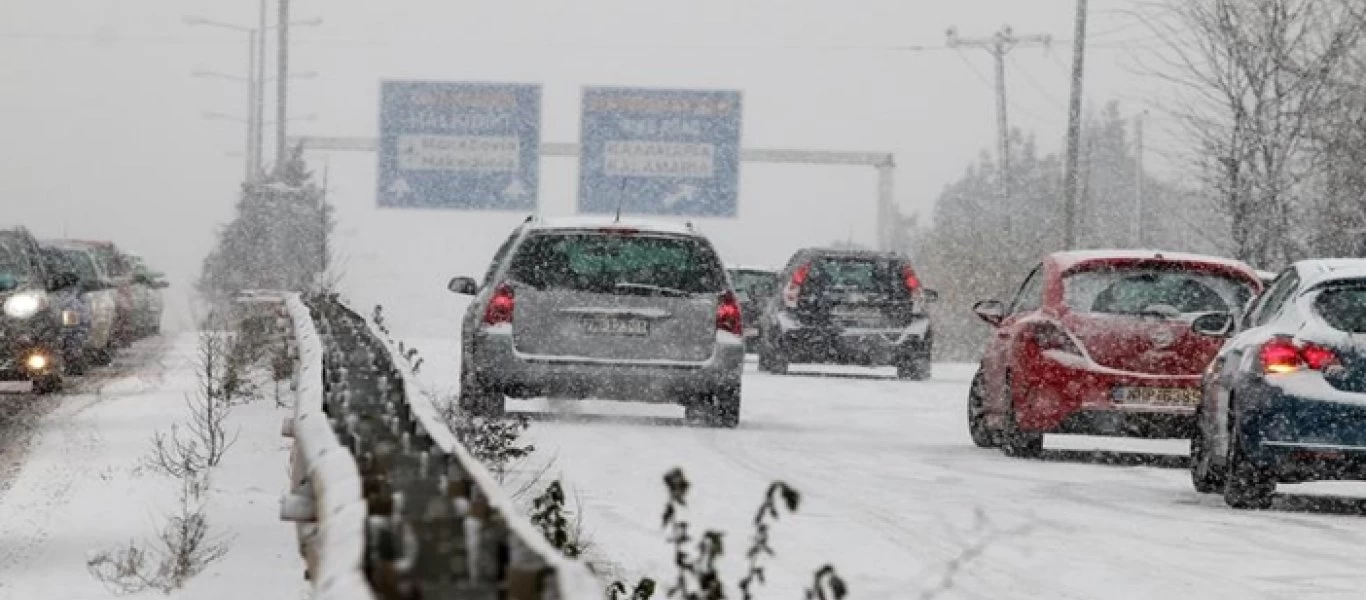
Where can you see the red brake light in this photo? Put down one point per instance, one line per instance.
(794, 287)
(912, 282)
(728, 314)
(500, 306)
(1283, 355)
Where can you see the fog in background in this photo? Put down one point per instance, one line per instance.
(103, 134)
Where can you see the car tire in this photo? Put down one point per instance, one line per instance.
(771, 358)
(1017, 443)
(720, 408)
(478, 399)
(48, 384)
(1204, 476)
(915, 369)
(982, 435)
(1246, 486)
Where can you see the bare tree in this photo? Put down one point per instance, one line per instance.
(1259, 75)
(202, 442)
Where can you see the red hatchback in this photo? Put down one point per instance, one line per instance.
(1100, 343)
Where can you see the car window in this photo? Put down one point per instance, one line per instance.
(1274, 298)
(15, 265)
(499, 255)
(854, 274)
(1030, 296)
(617, 263)
(1343, 308)
(1172, 291)
(752, 282)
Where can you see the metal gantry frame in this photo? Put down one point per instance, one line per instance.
(883, 162)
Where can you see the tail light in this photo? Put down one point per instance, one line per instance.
(908, 276)
(1283, 355)
(728, 314)
(1049, 336)
(500, 306)
(794, 287)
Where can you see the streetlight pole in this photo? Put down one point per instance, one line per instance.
(282, 87)
(253, 114)
(260, 132)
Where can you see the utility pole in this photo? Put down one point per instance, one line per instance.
(1074, 129)
(999, 45)
(258, 126)
(254, 83)
(282, 87)
(1138, 180)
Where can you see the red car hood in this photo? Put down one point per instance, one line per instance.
(1148, 345)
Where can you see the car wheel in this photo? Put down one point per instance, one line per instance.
(1204, 476)
(1015, 442)
(480, 400)
(48, 384)
(982, 436)
(915, 369)
(720, 408)
(1245, 484)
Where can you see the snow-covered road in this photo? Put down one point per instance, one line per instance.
(895, 495)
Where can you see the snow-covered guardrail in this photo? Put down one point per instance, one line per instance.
(387, 502)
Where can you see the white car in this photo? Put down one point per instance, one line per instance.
(98, 295)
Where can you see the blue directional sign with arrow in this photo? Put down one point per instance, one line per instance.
(661, 152)
(459, 145)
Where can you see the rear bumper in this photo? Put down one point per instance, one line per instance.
(1302, 429)
(854, 346)
(1063, 393)
(520, 375)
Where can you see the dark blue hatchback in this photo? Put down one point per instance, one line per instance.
(1285, 399)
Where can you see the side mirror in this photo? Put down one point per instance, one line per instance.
(64, 280)
(991, 311)
(1216, 325)
(463, 285)
(930, 295)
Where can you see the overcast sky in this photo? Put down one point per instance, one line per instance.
(103, 133)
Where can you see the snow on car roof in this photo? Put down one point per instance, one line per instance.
(1070, 259)
(752, 268)
(609, 222)
(1323, 270)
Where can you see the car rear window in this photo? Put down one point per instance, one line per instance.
(752, 281)
(1172, 292)
(1344, 309)
(617, 263)
(855, 274)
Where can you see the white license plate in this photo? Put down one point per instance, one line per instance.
(1156, 396)
(616, 326)
(857, 314)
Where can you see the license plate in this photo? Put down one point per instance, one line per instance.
(1157, 396)
(616, 326)
(857, 314)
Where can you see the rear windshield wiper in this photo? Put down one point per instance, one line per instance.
(667, 291)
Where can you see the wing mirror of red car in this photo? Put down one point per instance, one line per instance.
(463, 285)
(991, 311)
(1216, 325)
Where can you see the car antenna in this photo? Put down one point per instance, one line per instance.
(620, 196)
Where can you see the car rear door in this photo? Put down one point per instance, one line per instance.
(615, 295)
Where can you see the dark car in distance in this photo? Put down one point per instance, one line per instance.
(753, 286)
(41, 322)
(851, 307)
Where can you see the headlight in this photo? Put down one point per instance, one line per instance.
(71, 318)
(24, 305)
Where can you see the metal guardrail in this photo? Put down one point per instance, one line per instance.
(387, 502)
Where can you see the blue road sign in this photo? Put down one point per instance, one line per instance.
(661, 152)
(459, 145)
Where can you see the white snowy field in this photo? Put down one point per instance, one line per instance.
(79, 488)
(895, 494)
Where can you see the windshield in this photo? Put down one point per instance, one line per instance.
(752, 282)
(1163, 292)
(15, 265)
(74, 261)
(617, 263)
